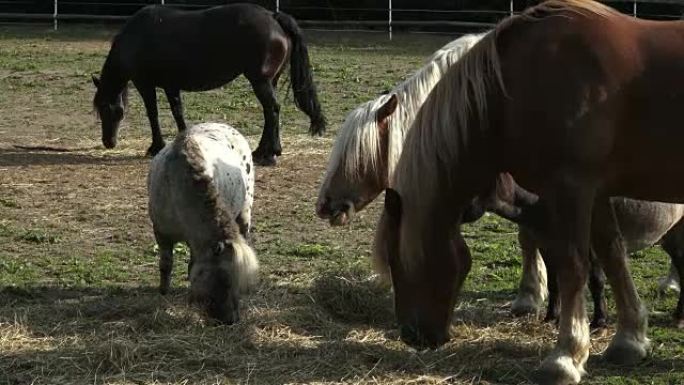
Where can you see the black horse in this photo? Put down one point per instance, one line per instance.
(202, 50)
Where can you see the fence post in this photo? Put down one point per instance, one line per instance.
(277, 5)
(54, 16)
(389, 20)
(510, 9)
(634, 8)
(162, 2)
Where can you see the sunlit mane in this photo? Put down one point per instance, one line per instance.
(358, 141)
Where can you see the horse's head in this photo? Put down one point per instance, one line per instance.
(426, 285)
(217, 277)
(358, 170)
(110, 107)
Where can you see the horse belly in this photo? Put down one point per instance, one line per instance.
(644, 223)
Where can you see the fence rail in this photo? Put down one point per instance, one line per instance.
(383, 17)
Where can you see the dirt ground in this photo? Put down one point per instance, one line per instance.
(78, 270)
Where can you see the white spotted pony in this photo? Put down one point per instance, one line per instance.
(201, 189)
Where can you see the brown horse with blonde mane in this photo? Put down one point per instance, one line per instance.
(579, 103)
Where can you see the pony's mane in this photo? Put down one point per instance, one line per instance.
(358, 141)
(226, 227)
(245, 264)
(445, 126)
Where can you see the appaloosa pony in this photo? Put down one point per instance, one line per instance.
(199, 50)
(579, 103)
(200, 192)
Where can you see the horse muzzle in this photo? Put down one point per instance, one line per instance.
(109, 143)
(339, 215)
(423, 339)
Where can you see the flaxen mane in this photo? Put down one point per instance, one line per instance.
(443, 128)
(191, 152)
(358, 141)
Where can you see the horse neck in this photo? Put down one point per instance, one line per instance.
(413, 92)
(113, 79)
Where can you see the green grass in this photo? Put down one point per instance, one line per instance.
(78, 265)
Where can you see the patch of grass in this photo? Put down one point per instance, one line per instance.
(36, 236)
(9, 203)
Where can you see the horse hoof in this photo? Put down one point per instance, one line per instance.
(557, 371)
(624, 350)
(155, 148)
(598, 325)
(264, 160)
(668, 285)
(163, 289)
(680, 324)
(524, 305)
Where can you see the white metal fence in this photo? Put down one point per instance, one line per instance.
(446, 18)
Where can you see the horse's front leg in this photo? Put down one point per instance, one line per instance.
(165, 262)
(629, 345)
(176, 103)
(269, 145)
(149, 96)
(569, 204)
(532, 288)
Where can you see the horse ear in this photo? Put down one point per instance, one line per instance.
(393, 203)
(387, 109)
(96, 81)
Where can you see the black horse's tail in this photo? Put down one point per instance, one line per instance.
(301, 75)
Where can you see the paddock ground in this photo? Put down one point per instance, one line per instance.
(78, 271)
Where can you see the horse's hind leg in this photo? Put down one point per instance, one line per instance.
(165, 263)
(149, 96)
(673, 243)
(629, 345)
(532, 288)
(597, 282)
(269, 145)
(553, 308)
(176, 103)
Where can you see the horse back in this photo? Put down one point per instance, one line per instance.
(197, 50)
(591, 92)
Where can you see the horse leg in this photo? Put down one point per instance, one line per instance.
(569, 205)
(149, 96)
(174, 98)
(673, 243)
(269, 144)
(532, 288)
(243, 221)
(165, 263)
(553, 308)
(671, 282)
(597, 282)
(629, 345)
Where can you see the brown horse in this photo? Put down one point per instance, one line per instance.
(579, 103)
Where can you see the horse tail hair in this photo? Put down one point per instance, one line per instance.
(301, 74)
(246, 263)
